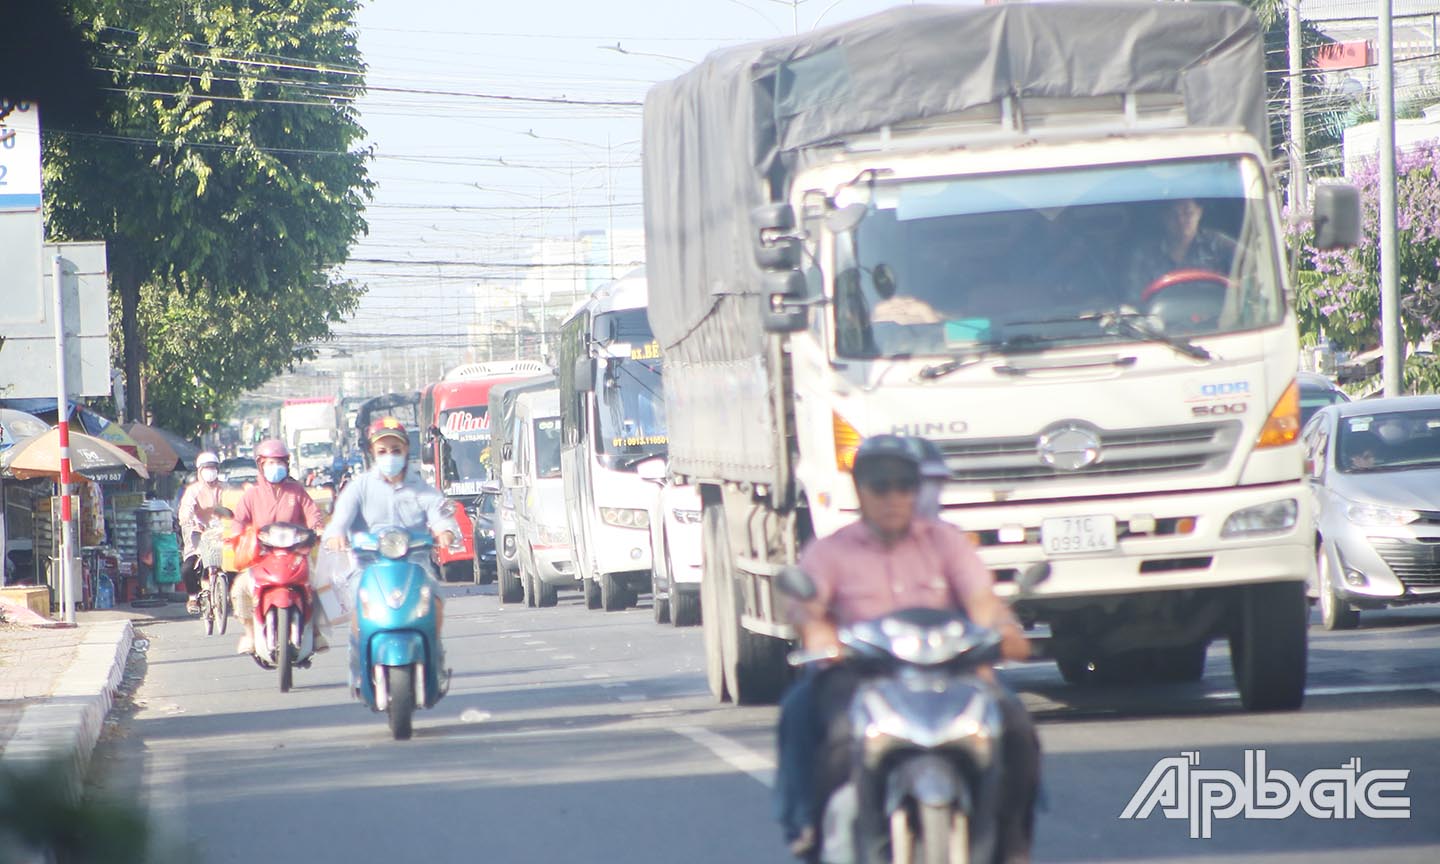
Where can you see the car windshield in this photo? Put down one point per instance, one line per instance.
(631, 405)
(1392, 441)
(1312, 399)
(1031, 260)
(547, 447)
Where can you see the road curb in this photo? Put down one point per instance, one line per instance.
(66, 726)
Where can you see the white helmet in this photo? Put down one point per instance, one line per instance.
(206, 458)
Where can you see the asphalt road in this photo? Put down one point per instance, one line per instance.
(580, 736)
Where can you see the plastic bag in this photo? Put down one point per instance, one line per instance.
(331, 579)
(242, 549)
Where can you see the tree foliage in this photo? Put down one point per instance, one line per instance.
(228, 185)
(1339, 291)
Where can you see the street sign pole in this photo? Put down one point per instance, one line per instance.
(69, 575)
(1391, 338)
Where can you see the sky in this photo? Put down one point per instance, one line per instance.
(467, 184)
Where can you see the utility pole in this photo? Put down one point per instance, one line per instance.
(1299, 179)
(1391, 339)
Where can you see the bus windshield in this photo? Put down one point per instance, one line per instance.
(630, 402)
(464, 450)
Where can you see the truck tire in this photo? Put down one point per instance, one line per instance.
(1268, 646)
(684, 607)
(754, 665)
(712, 572)
(592, 594)
(613, 593)
(546, 595)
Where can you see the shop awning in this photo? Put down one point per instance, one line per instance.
(164, 451)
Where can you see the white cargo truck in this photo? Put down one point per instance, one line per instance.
(1044, 236)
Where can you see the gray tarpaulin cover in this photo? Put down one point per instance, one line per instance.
(717, 138)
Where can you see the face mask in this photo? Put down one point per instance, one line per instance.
(390, 464)
(208, 474)
(275, 473)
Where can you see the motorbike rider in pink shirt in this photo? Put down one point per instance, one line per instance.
(275, 497)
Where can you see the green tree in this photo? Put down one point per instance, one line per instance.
(228, 184)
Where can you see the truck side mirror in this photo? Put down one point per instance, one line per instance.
(795, 583)
(777, 217)
(652, 470)
(584, 375)
(780, 292)
(1337, 216)
(780, 254)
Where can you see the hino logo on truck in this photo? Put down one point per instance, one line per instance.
(931, 429)
(1069, 448)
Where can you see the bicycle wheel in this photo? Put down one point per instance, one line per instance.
(220, 601)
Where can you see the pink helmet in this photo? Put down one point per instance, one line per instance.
(271, 448)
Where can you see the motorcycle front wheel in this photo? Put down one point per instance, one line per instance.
(282, 647)
(944, 835)
(400, 681)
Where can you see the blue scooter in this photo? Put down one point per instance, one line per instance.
(396, 661)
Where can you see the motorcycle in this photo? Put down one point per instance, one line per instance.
(284, 601)
(396, 660)
(925, 770)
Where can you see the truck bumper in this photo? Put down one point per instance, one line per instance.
(1154, 551)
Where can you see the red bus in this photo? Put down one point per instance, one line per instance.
(456, 447)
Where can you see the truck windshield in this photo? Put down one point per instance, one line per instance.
(630, 402)
(464, 450)
(1027, 261)
(547, 447)
(316, 448)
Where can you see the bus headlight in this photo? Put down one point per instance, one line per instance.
(624, 517)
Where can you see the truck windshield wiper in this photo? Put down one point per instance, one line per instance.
(1128, 324)
(946, 367)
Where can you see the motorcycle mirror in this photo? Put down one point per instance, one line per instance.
(1033, 576)
(795, 583)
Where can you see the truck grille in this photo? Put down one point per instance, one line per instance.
(1416, 564)
(1124, 453)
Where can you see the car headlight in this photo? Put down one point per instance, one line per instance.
(394, 543)
(487, 533)
(1270, 518)
(686, 517)
(624, 517)
(1379, 516)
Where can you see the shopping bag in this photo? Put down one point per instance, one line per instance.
(241, 549)
(330, 579)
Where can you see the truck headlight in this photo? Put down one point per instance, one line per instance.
(1270, 518)
(1379, 516)
(624, 517)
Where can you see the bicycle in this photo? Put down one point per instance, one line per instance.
(214, 583)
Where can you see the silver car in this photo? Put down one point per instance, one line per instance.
(1374, 468)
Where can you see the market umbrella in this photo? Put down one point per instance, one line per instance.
(16, 426)
(116, 434)
(164, 450)
(89, 457)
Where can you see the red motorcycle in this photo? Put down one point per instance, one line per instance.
(284, 602)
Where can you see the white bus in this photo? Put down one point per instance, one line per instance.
(613, 418)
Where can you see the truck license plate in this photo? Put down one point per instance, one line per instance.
(1076, 534)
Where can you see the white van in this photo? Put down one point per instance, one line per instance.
(542, 534)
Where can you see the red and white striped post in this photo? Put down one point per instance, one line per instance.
(69, 572)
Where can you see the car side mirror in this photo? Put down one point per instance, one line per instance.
(584, 375)
(795, 583)
(1337, 217)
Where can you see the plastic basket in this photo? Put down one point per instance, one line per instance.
(211, 548)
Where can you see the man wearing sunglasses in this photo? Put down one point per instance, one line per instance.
(897, 556)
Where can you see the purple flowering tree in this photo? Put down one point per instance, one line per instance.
(1339, 291)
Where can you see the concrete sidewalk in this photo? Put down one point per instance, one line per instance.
(56, 686)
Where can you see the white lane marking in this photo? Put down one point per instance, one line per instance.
(1352, 690)
(536, 642)
(632, 697)
(733, 753)
(564, 657)
(595, 676)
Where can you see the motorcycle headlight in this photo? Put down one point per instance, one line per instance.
(1269, 518)
(1379, 516)
(625, 517)
(394, 543)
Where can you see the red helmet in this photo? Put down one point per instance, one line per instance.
(271, 448)
(388, 426)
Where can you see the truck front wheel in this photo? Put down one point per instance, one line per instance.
(713, 573)
(1268, 646)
